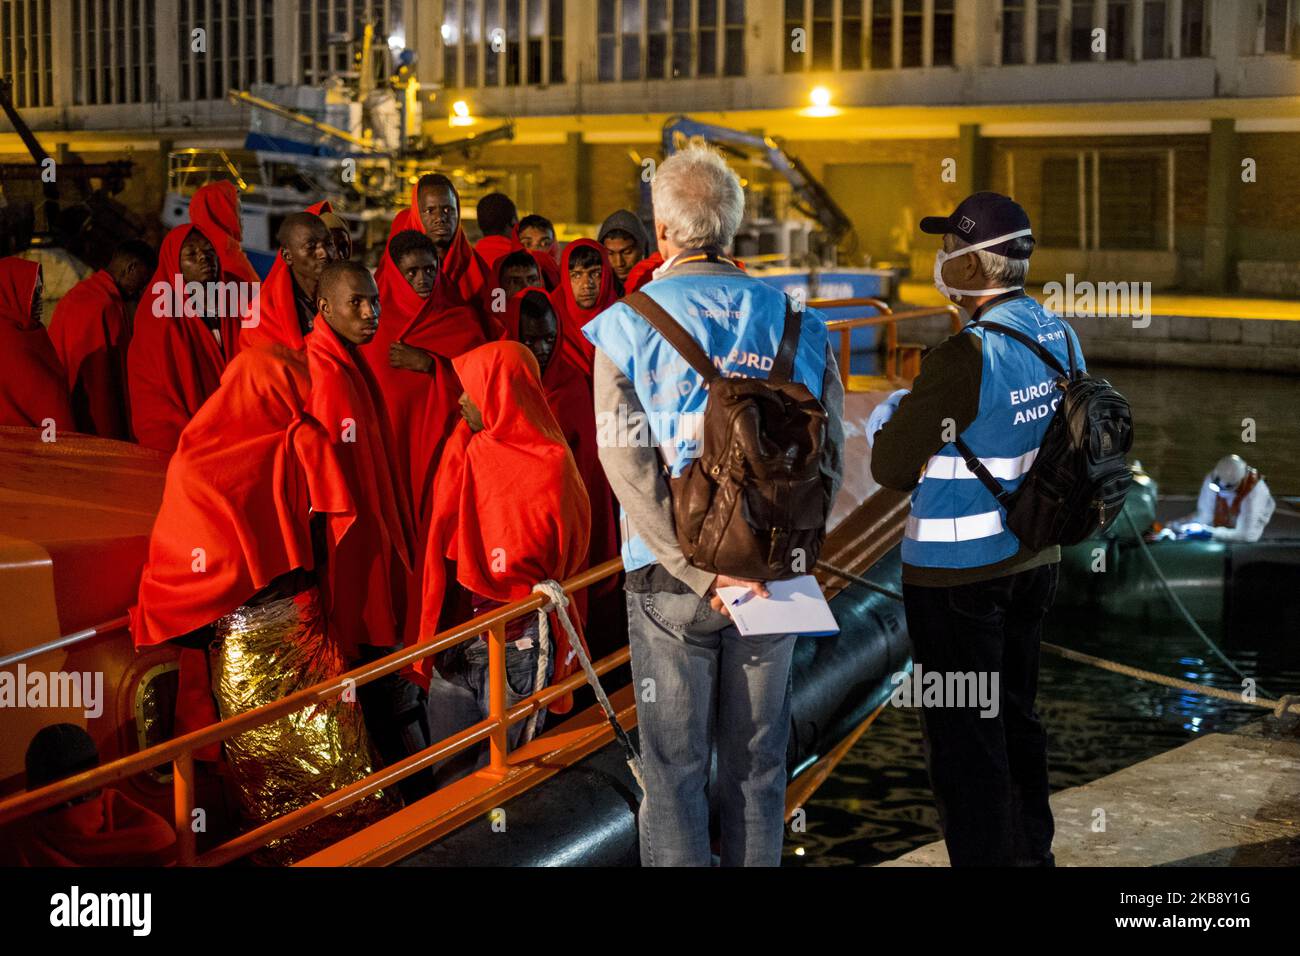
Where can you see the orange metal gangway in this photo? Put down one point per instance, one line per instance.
(887, 317)
(179, 751)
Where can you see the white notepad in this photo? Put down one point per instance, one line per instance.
(795, 607)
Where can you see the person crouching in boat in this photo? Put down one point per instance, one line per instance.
(510, 511)
(102, 828)
(1234, 504)
(255, 506)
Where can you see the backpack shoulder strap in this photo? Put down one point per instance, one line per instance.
(978, 469)
(1035, 347)
(673, 333)
(783, 365)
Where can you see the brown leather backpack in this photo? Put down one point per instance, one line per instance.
(754, 504)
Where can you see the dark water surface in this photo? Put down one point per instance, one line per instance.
(1184, 420)
(877, 805)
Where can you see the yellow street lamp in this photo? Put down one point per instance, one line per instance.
(820, 98)
(460, 115)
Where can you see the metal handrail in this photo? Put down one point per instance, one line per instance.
(886, 317)
(180, 750)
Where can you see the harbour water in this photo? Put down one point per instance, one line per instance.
(877, 805)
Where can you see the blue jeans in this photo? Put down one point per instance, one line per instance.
(459, 699)
(700, 685)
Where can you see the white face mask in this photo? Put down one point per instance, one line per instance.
(941, 257)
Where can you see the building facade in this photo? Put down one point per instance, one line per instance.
(1153, 140)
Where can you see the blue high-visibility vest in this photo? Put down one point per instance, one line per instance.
(737, 320)
(955, 521)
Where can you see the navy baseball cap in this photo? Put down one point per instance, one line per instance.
(980, 217)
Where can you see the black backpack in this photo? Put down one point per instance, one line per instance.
(1078, 482)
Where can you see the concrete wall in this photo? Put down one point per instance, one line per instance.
(1184, 341)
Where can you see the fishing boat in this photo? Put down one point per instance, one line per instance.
(75, 518)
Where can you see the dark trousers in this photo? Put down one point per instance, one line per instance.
(989, 773)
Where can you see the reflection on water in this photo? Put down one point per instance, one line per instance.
(1187, 419)
(877, 805)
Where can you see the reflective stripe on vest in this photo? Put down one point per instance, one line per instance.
(950, 468)
(965, 528)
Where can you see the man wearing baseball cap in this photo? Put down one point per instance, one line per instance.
(975, 598)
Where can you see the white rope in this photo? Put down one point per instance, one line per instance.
(554, 593)
(544, 646)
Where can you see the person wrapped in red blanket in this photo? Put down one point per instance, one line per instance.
(587, 288)
(186, 333)
(241, 575)
(421, 330)
(91, 331)
(510, 511)
(435, 211)
(497, 219)
(214, 208)
(33, 384)
(537, 234)
(285, 309)
(102, 828)
(531, 320)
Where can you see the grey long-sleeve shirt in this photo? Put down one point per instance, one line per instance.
(637, 476)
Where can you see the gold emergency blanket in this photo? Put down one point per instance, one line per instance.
(261, 655)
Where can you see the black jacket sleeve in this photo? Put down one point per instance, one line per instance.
(945, 399)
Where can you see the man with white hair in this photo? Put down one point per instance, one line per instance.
(975, 596)
(700, 685)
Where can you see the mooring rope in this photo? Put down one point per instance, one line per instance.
(1178, 604)
(554, 593)
(1279, 706)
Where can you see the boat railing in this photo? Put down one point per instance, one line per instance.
(893, 368)
(188, 169)
(180, 751)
